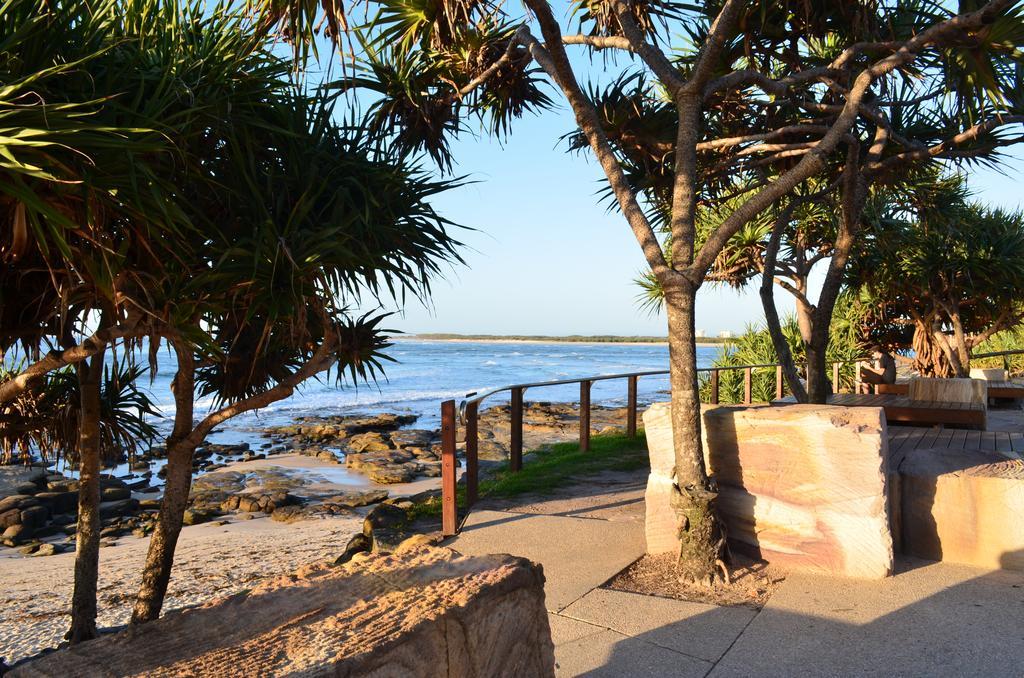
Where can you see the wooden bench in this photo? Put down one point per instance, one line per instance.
(1010, 390)
(902, 409)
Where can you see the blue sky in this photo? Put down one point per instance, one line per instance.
(547, 258)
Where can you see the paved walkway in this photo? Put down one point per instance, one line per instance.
(931, 619)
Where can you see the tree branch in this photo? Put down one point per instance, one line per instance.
(814, 159)
(54, 360)
(556, 63)
(727, 142)
(516, 39)
(943, 148)
(713, 45)
(598, 42)
(651, 55)
(321, 360)
(780, 87)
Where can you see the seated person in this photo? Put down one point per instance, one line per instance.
(886, 371)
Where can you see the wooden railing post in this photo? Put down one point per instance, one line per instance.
(472, 448)
(585, 416)
(714, 387)
(449, 508)
(835, 377)
(747, 384)
(631, 406)
(515, 460)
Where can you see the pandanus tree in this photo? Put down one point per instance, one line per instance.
(167, 179)
(738, 103)
(944, 271)
(86, 209)
(790, 242)
(315, 220)
(84, 420)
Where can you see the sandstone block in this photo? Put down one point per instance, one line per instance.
(804, 485)
(658, 428)
(962, 507)
(800, 485)
(989, 373)
(420, 613)
(661, 526)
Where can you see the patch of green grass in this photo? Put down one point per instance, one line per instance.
(547, 469)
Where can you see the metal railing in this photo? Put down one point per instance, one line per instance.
(469, 413)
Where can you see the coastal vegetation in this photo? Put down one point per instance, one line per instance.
(745, 109)
(755, 346)
(170, 183)
(938, 276)
(174, 191)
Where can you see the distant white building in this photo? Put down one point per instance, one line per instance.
(700, 334)
(725, 334)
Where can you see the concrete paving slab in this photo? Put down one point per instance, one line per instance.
(620, 505)
(566, 630)
(605, 496)
(613, 655)
(933, 619)
(578, 554)
(695, 629)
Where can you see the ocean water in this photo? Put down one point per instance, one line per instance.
(427, 372)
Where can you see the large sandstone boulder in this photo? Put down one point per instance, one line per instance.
(961, 506)
(800, 485)
(421, 612)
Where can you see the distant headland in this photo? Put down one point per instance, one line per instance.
(546, 339)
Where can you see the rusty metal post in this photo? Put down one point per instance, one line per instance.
(472, 447)
(747, 374)
(515, 460)
(585, 416)
(714, 387)
(631, 407)
(449, 509)
(779, 390)
(835, 377)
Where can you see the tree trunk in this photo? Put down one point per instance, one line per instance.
(771, 314)
(160, 558)
(182, 443)
(963, 351)
(931, 357)
(804, 315)
(700, 535)
(853, 192)
(87, 545)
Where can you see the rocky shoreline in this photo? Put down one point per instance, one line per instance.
(38, 507)
(304, 494)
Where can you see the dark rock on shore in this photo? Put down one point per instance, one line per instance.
(359, 543)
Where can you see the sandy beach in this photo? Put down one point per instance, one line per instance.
(211, 561)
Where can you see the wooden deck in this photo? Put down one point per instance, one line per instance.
(901, 409)
(903, 439)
